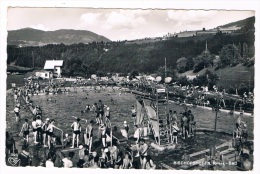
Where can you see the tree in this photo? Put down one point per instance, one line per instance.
(169, 73)
(207, 79)
(245, 51)
(204, 60)
(133, 74)
(229, 56)
(182, 64)
(183, 80)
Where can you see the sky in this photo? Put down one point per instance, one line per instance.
(121, 24)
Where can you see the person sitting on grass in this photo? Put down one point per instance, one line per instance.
(76, 132)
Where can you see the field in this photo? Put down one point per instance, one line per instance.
(62, 107)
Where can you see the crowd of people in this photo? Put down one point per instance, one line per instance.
(43, 130)
(108, 154)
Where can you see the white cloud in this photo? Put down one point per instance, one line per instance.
(90, 18)
(40, 27)
(124, 19)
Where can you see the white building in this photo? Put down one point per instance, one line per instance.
(44, 74)
(54, 66)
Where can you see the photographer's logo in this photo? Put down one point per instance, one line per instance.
(13, 160)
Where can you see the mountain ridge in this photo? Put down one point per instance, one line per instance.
(35, 37)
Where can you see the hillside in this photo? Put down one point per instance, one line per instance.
(230, 76)
(245, 22)
(33, 37)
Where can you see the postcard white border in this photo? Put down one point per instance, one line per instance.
(160, 4)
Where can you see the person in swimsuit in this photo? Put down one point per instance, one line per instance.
(143, 153)
(89, 134)
(175, 131)
(39, 128)
(103, 135)
(25, 130)
(44, 131)
(17, 112)
(127, 163)
(133, 111)
(34, 127)
(100, 109)
(76, 132)
(50, 130)
(107, 114)
(119, 161)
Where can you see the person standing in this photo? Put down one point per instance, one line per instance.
(34, 127)
(89, 134)
(25, 130)
(100, 108)
(133, 111)
(185, 126)
(76, 132)
(50, 130)
(17, 112)
(39, 128)
(125, 129)
(44, 131)
(103, 134)
(107, 114)
(175, 131)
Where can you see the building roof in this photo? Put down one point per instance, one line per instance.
(50, 64)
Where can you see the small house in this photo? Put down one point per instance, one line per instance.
(54, 66)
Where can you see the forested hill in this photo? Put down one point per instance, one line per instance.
(118, 57)
(182, 54)
(33, 37)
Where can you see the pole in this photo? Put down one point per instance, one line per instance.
(215, 128)
(165, 74)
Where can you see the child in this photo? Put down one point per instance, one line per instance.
(127, 163)
(76, 132)
(175, 131)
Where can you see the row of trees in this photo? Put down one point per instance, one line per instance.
(229, 55)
